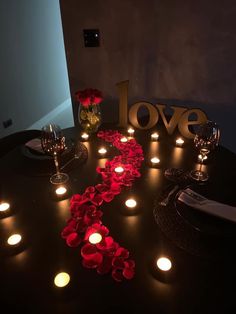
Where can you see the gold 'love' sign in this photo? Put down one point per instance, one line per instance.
(181, 116)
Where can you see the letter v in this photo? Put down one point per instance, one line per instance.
(178, 111)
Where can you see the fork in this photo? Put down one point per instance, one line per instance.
(166, 200)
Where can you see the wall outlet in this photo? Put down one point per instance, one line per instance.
(91, 37)
(7, 123)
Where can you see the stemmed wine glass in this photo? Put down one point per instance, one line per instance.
(53, 144)
(206, 139)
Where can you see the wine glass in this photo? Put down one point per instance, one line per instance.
(53, 144)
(206, 139)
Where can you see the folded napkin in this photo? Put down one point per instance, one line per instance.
(195, 200)
(35, 144)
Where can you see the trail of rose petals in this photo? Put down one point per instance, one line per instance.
(107, 255)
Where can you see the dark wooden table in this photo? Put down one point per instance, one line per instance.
(201, 280)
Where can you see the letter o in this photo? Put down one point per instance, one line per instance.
(153, 115)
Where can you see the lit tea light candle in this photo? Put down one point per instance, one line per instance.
(201, 158)
(179, 142)
(4, 207)
(124, 139)
(119, 169)
(163, 263)
(102, 151)
(155, 161)
(95, 238)
(155, 136)
(14, 239)
(61, 190)
(84, 136)
(131, 203)
(131, 131)
(61, 280)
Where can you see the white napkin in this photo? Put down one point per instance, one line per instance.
(35, 144)
(195, 200)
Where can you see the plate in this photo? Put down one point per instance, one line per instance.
(38, 154)
(204, 222)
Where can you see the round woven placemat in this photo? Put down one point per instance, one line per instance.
(184, 234)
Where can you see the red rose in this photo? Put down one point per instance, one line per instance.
(88, 97)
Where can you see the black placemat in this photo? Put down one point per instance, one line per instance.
(36, 164)
(195, 232)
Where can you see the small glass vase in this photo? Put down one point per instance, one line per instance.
(90, 117)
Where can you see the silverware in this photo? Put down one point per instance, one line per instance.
(166, 200)
(76, 156)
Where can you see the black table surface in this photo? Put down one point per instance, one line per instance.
(201, 281)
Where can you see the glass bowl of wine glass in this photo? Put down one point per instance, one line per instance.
(53, 144)
(206, 139)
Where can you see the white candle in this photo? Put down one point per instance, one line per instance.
(62, 279)
(61, 190)
(102, 151)
(131, 131)
(155, 161)
(119, 169)
(84, 136)
(124, 139)
(154, 136)
(179, 142)
(4, 207)
(163, 263)
(14, 239)
(131, 203)
(95, 238)
(201, 158)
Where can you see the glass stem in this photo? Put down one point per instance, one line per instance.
(56, 163)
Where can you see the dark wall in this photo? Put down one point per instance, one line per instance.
(177, 52)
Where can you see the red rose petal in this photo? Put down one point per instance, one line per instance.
(73, 240)
(117, 275)
(121, 252)
(128, 273)
(118, 263)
